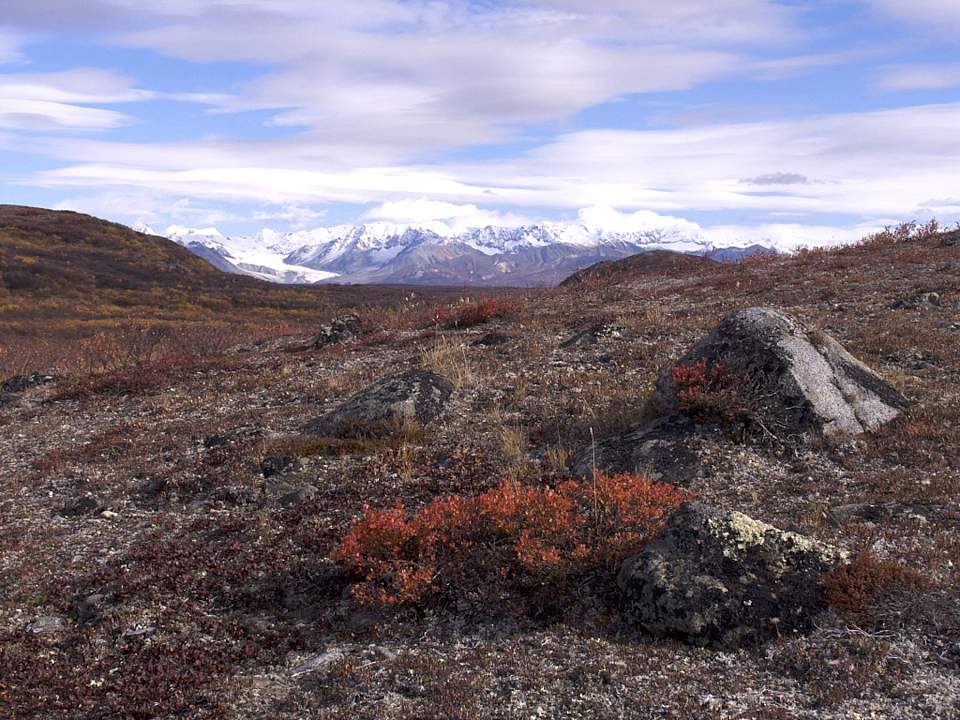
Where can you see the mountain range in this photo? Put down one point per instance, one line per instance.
(541, 254)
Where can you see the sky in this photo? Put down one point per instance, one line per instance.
(803, 123)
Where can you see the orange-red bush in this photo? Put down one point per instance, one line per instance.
(504, 541)
(707, 392)
(485, 310)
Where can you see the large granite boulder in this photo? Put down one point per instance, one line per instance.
(793, 380)
(415, 398)
(723, 579)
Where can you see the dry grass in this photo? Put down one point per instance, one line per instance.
(448, 357)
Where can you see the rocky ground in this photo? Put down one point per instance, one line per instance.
(165, 547)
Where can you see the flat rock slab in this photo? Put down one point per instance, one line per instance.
(414, 398)
(796, 381)
(723, 579)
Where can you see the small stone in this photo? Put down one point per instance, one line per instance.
(340, 330)
(80, 506)
(594, 335)
(275, 465)
(91, 609)
(492, 339)
(45, 625)
(214, 441)
(298, 496)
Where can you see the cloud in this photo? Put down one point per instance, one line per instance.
(866, 164)
(147, 207)
(942, 17)
(779, 178)
(929, 76)
(455, 217)
(58, 101)
(390, 81)
(790, 236)
(599, 216)
(10, 47)
(297, 217)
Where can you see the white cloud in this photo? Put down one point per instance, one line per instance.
(930, 76)
(57, 101)
(942, 17)
(388, 81)
(423, 211)
(298, 217)
(42, 115)
(877, 163)
(9, 47)
(789, 236)
(608, 218)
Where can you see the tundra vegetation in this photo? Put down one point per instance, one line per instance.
(174, 544)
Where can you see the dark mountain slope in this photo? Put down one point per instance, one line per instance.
(653, 262)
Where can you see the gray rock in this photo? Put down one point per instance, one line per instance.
(917, 302)
(723, 579)
(46, 625)
(492, 339)
(877, 512)
(297, 496)
(278, 464)
(91, 609)
(80, 506)
(659, 450)
(416, 397)
(340, 330)
(795, 381)
(19, 383)
(596, 334)
(950, 239)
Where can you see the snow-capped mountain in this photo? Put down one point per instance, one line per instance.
(262, 255)
(432, 253)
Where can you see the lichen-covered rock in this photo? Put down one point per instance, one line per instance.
(722, 578)
(416, 397)
(340, 330)
(797, 381)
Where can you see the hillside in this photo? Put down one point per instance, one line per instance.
(653, 262)
(187, 544)
(66, 264)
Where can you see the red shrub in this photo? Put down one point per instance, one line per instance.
(708, 393)
(507, 540)
(480, 312)
(868, 589)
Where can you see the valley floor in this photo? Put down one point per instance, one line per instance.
(150, 570)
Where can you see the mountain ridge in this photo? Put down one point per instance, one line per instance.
(539, 254)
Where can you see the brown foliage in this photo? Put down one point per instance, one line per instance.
(868, 590)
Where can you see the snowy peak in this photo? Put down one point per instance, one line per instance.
(534, 254)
